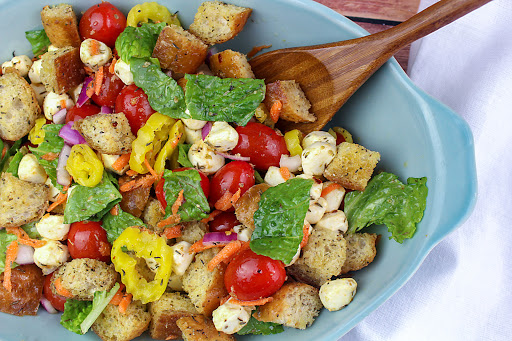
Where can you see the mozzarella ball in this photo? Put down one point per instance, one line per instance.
(30, 170)
(123, 71)
(35, 71)
(193, 135)
(53, 227)
(243, 233)
(50, 256)
(54, 191)
(193, 124)
(94, 58)
(293, 163)
(23, 64)
(316, 188)
(273, 177)
(53, 104)
(230, 318)
(338, 293)
(316, 210)
(316, 157)
(222, 137)
(204, 158)
(109, 159)
(181, 257)
(334, 197)
(318, 136)
(40, 91)
(336, 221)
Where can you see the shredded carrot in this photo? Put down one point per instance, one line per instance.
(23, 237)
(172, 337)
(145, 181)
(60, 289)
(211, 216)
(90, 89)
(88, 70)
(257, 49)
(10, 257)
(305, 235)
(131, 172)
(227, 251)
(95, 47)
(98, 80)
(261, 301)
(285, 172)
(63, 104)
(125, 302)
(150, 169)
(331, 187)
(227, 200)
(118, 296)
(4, 151)
(35, 243)
(114, 210)
(176, 206)
(121, 162)
(245, 246)
(173, 232)
(112, 66)
(200, 246)
(172, 219)
(61, 198)
(50, 156)
(275, 110)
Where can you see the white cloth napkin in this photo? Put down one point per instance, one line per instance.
(463, 290)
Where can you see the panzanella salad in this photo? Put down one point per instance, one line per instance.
(145, 184)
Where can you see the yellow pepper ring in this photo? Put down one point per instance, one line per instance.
(145, 245)
(36, 135)
(84, 165)
(293, 139)
(142, 13)
(177, 132)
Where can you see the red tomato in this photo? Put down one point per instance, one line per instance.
(339, 138)
(85, 110)
(110, 88)
(261, 143)
(160, 193)
(133, 102)
(56, 300)
(231, 177)
(250, 276)
(159, 188)
(223, 222)
(87, 239)
(103, 22)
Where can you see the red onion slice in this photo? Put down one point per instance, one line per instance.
(218, 238)
(106, 110)
(47, 305)
(60, 116)
(25, 254)
(236, 157)
(63, 177)
(206, 129)
(82, 98)
(70, 135)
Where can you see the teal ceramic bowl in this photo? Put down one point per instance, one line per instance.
(416, 136)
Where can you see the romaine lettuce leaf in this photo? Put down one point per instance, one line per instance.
(4, 161)
(116, 224)
(52, 143)
(39, 41)
(262, 328)
(5, 240)
(99, 303)
(183, 155)
(138, 41)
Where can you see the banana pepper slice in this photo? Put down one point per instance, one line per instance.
(84, 165)
(176, 136)
(147, 11)
(36, 134)
(293, 139)
(148, 246)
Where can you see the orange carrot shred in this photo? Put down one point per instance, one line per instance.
(121, 162)
(10, 257)
(50, 156)
(179, 200)
(61, 198)
(145, 181)
(95, 47)
(118, 296)
(63, 104)
(150, 169)
(227, 251)
(98, 80)
(305, 235)
(172, 219)
(261, 301)
(35, 243)
(4, 151)
(131, 172)
(275, 110)
(200, 246)
(173, 232)
(111, 68)
(23, 237)
(227, 200)
(114, 210)
(245, 246)
(331, 187)
(285, 172)
(60, 289)
(125, 302)
(211, 216)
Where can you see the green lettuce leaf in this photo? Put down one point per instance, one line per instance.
(39, 41)
(116, 224)
(388, 201)
(14, 162)
(138, 41)
(183, 155)
(31, 230)
(92, 203)
(4, 161)
(260, 328)
(195, 205)
(100, 301)
(5, 240)
(52, 143)
(279, 220)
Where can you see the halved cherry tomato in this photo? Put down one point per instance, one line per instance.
(231, 177)
(56, 300)
(110, 88)
(250, 276)
(223, 222)
(159, 188)
(103, 22)
(87, 239)
(85, 110)
(262, 144)
(133, 102)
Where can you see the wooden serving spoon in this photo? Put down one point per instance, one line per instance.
(330, 73)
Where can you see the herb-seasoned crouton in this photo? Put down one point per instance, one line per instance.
(205, 288)
(200, 328)
(62, 70)
(230, 64)
(166, 311)
(21, 201)
(322, 257)
(192, 232)
(360, 251)
(248, 204)
(152, 215)
(112, 325)
(294, 305)
(107, 133)
(216, 22)
(352, 166)
(179, 51)
(19, 108)
(27, 288)
(295, 104)
(60, 25)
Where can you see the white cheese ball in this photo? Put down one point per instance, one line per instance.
(193, 135)
(181, 257)
(191, 123)
(316, 157)
(338, 293)
(316, 210)
(109, 159)
(53, 227)
(40, 91)
(222, 137)
(293, 163)
(273, 177)
(54, 191)
(23, 64)
(318, 136)
(35, 71)
(30, 170)
(316, 188)
(53, 104)
(243, 233)
(122, 70)
(230, 318)
(94, 59)
(336, 221)
(50, 256)
(334, 197)
(204, 158)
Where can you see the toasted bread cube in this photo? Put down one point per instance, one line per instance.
(352, 166)
(107, 133)
(295, 104)
(230, 64)
(322, 257)
(200, 328)
(295, 305)
(61, 25)
(217, 22)
(113, 325)
(193, 231)
(21, 202)
(361, 251)
(19, 108)
(166, 311)
(179, 50)
(62, 70)
(152, 215)
(248, 204)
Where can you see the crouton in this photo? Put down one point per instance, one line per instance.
(108, 134)
(216, 22)
(62, 70)
(19, 108)
(205, 288)
(230, 64)
(352, 166)
(21, 202)
(248, 204)
(193, 231)
(294, 305)
(200, 328)
(112, 325)
(152, 215)
(179, 50)
(134, 201)
(82, 277)
(60, 25)
(175, 282)
(295, 104)
(166, 311)
(360, 251)
(27, 288)
(321, 258)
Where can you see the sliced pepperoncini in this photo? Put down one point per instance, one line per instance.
(84, 165)
(176, 136)
(153, 11)
(343, 132)
(36, 135)
(293, 139)
(148, 246)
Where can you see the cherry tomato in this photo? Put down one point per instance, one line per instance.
(262, 144)
(110, 88)
(339, 138)
(250, 276)
(223, 222)
(103, 22)
(231, 177)
(87, 239)
(85, 110)
(159, 188)
(56, 300)
(133, 102)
